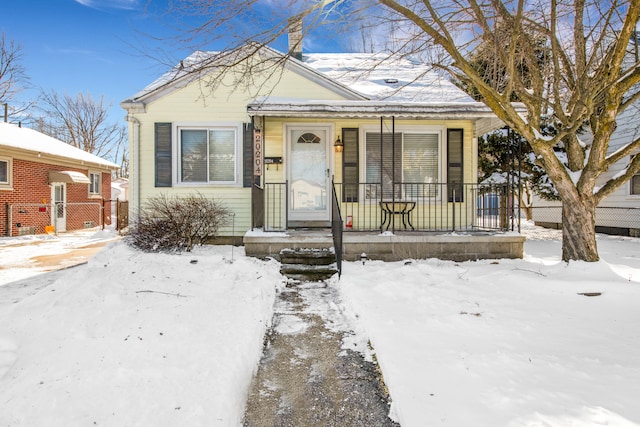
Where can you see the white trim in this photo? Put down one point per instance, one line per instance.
(175, 152)
(329, 128)
(95, 193)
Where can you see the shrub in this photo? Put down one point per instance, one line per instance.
(171, 223)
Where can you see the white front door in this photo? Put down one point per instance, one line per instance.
(309, 172)
(59, 211)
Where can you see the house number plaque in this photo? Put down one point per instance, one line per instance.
(257, 153)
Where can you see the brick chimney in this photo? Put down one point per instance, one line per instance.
(295, 37)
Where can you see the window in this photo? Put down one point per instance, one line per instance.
(94, 186)
(207, 155)
(634, 184)
(409, 159)
(4, 171)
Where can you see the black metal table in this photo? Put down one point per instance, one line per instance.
(397, 207)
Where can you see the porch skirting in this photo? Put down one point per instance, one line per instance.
(393, 247)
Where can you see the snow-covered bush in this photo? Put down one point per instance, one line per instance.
(171, 223)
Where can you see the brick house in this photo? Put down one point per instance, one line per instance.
(45, 182)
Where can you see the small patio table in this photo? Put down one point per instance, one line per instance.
(397, 207)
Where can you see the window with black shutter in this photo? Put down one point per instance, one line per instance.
(163, 155)
(454, 164)
(350, 168)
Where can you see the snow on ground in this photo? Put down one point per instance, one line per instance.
(133, 338)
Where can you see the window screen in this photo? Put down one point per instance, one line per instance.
(380, 162)
(207, 155)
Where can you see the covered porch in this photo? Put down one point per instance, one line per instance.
(389, 181)
(469, 223)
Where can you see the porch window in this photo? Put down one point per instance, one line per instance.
(410, 159)
(94, 185)
(208, 155)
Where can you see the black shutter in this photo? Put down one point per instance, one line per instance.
(163, 154)
(247, 155)
(454, 164)
(350, 166)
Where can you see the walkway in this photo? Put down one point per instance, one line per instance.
(306, 377)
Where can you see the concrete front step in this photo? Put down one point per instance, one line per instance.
(306, 272)
(308, 264)
(320, 256)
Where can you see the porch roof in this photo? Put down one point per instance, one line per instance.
(484, 118)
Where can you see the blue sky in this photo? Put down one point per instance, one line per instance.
(74, 46)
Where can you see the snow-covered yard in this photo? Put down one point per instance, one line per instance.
(153, 339)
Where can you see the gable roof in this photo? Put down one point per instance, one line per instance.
(371, 84)
(29, 140)
(201, 63)
(383, 77)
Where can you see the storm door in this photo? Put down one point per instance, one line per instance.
(59, 211)
(309, 173)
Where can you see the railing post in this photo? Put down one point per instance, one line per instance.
(286, 204)
(453, 210)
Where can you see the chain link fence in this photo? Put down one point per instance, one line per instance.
(610, 220)
(38, 218)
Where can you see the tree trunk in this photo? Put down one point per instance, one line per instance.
(579, 230)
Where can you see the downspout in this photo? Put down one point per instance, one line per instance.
(135, 146)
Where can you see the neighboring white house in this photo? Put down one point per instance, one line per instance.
(620, 212)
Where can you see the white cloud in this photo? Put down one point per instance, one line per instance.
(109, 4)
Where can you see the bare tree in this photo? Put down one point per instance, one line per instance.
(589, 78)
(83, 122)
(13, 78)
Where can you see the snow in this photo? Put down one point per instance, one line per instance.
(385, 77)
(134, 338)
(378, 77)
(28, 139)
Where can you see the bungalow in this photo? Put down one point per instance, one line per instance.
(357, 142)
(48, 185)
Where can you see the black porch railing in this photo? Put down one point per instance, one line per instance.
(406, 207)
(336, 228)
(425, 207)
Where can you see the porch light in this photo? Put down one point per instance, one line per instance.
(338, 145)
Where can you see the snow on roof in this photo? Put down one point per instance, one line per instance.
(188, 65)
(31, 140)
(384, 77)
(375, 76)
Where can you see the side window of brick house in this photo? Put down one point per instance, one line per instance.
(5, 171)
(94, 186)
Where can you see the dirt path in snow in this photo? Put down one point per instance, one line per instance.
(306, 377)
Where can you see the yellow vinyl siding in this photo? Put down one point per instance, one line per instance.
(275, 147)
(195, 103)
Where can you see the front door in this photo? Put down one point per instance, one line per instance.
(309, 173)
(59, 211)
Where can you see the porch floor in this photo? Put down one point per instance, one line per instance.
(396, 246)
